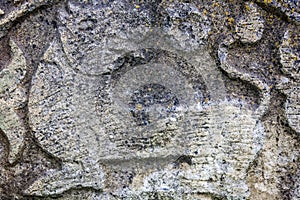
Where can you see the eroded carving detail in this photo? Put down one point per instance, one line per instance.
(251, 26)
(85, 102)
(131, 102)
(7, 22)
(12, 98)
(290, 60)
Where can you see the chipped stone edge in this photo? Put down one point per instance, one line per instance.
(7, 22)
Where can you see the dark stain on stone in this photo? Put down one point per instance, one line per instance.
(183, 159)
(5, 55)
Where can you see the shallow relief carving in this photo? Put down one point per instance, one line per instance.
(109, 95)
(289, 83)
(139, 93)
(12, 99)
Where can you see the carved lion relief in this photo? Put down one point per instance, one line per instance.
(104, 95)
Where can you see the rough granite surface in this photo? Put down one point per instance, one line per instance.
(150, 99)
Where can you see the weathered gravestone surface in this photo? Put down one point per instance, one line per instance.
(149, 99)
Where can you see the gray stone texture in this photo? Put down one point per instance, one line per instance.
(149, 99)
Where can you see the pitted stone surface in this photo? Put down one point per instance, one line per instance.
(291, 9)
(290, 60)
(12, 98)
(293, 108)
(251, 26)
(149, 100)
(289, 52)
(69, 121)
